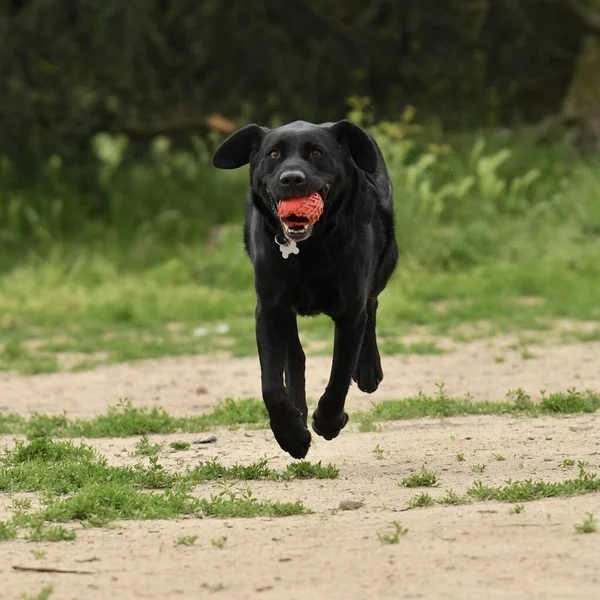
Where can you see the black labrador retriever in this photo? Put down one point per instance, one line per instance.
(339, 266)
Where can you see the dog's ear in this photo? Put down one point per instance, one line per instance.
(361, 146)
(235, 151)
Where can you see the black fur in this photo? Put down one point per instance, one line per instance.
(340, 270)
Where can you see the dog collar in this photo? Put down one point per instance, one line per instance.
(287, 247)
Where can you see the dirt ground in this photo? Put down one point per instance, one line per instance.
(455, 552)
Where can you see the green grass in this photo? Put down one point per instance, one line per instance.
(425, 478)
(219, 542)
(8, 531)
(421, 500)
(179, 446)
(60, 467)
(483, 228)
(589, 525)
(145, 448)
(125, 420)
(452, 498)
(76, 484)
(76, 325)
(44, 594)
(420, 406)
(394, 537)
(51, 534)
(186, 540)
(526, 491)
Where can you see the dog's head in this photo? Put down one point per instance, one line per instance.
(296, 160)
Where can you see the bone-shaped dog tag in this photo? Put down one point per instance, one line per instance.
(290, 248)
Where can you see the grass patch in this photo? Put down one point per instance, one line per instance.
(219, 542)
(186, 540)
(60, 467)
(452, 498)
(484, 228)
(51, 534)
(441, 405)
(179, 446)
(394, 537)
(98, 493)
(589, 525)
(421, 500)
(44, 594)
(124, 420)
(526, 491)
(145, 448)
(229, 504)
(424, 478)
(8, 531)
(99, 504)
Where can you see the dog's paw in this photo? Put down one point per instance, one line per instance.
(368, 375)
(291, 434)
(328, 427)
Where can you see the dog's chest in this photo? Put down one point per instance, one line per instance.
(315, 289)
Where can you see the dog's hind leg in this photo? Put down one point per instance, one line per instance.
(295, 368)
(368, 373)
(329, 417)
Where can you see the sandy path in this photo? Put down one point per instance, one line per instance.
(192, 384)
(454, 552)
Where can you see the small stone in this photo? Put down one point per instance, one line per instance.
(209, 439)
(351, 504)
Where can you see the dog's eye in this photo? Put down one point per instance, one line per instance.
(315, 153)
(274, 154)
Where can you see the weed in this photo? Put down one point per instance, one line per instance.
(378, 451)
(51, 534)
(7, 531)
(525, 491)
(219, 542)
(44, 594)
(305, 470)
(566, 463)
(571, 402)
(589, 525)
(393, 538)
(228, 504)
(21, 503)
(145, 448)
(421, 500)
(179, 446)
(186, 540)
(125, 420)
(424, 478)
(460, 457)
(516, 509)
(498, 457)
(39, 554)
(478, 468)
(453, 498)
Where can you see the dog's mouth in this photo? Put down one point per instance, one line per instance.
(297, 225)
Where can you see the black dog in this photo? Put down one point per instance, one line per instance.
(342, 265)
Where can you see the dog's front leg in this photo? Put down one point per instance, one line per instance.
(329, 418)
(273, 327)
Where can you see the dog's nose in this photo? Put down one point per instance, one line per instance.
(292, 178)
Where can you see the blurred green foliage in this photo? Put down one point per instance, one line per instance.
(69, 70)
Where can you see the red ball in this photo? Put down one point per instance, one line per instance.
(306, 209)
